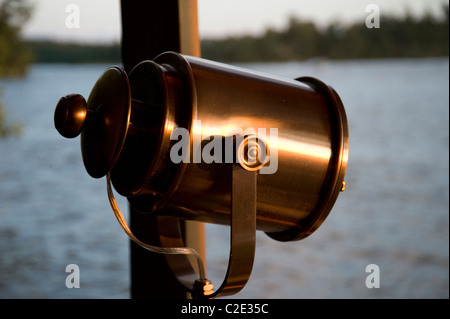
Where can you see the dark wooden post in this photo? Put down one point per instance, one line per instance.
(149, 28)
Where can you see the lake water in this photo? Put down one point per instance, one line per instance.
(394, 213)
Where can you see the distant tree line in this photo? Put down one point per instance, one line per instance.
(396, 37)
(61, 52)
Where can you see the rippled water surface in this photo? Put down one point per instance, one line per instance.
(394, 212)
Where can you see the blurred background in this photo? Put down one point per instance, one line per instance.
(393, 81)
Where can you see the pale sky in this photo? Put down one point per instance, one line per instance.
(100, 19)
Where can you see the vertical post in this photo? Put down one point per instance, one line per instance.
(148, 29)
(189, 36)
(190, 45)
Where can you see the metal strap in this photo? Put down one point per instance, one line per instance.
(242, 238)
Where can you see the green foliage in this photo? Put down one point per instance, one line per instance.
(14, 55)
(7, 129)
(396, 37)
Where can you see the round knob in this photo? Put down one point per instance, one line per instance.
(102, 120)
(70, 115)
